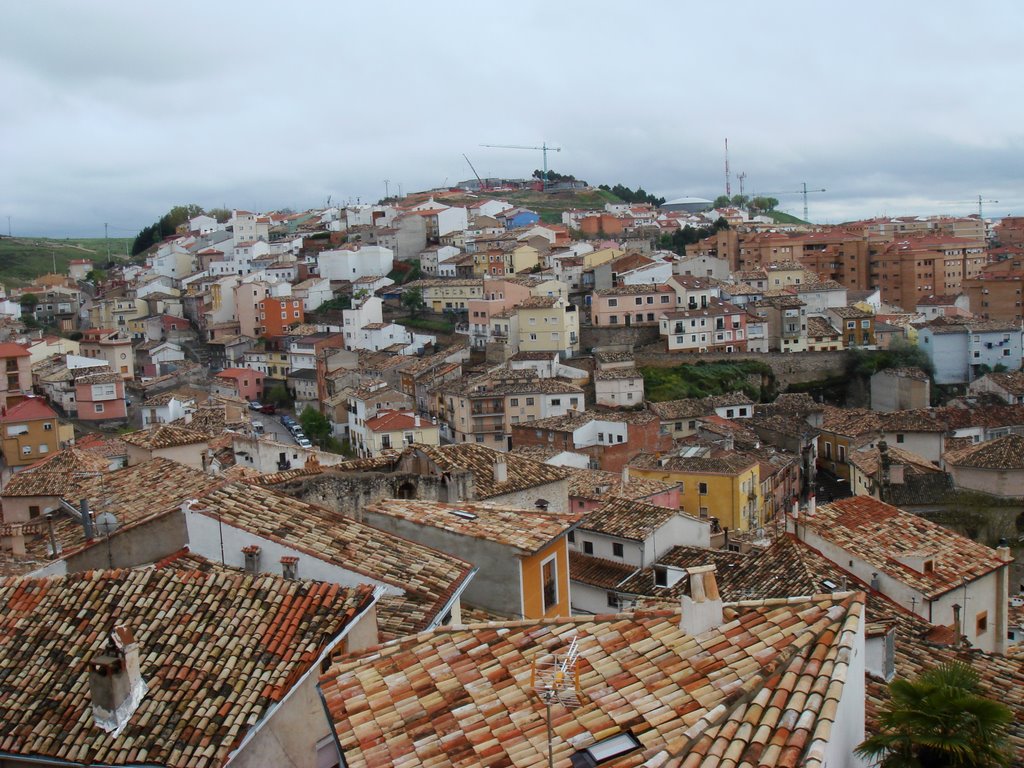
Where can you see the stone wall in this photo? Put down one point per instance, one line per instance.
(789, 368)
(631, 336)
(351, 493)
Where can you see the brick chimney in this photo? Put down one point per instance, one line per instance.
(115, 682)
(702, 608)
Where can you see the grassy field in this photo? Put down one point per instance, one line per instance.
(549, 205)
(24, 258)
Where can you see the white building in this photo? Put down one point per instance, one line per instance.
(368, 261)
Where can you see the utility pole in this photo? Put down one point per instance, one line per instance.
(387, 188)
(106, 238)
(741, 176)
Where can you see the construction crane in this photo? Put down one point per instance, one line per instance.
(483, 187)
(979, 201)
(804, 191)
(544, 148)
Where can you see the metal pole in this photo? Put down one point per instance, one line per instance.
(551, 737)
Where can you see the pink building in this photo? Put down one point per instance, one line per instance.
(631, 305)
(239, 382)
(100, 397)
(591, 488)
(499, 296)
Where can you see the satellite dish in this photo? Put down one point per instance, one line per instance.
(106, 524)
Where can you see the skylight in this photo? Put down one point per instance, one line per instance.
(605, 750)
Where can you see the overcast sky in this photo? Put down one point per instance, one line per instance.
(116, 111)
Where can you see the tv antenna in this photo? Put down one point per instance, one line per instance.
(556, 680)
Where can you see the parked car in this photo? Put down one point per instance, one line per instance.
(287, 420)
(303, 442)
(298, 434)
(268, 408)
(255, 405)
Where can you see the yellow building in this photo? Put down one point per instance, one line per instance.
(548, 324)
(596, 258)
(390, 430)
(32, 431)
(522, 258)
(725, 485)
(449, 294)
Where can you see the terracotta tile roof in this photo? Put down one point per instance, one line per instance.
(1012, 382)
(1004, 453)
(9, 349)
(598, 484)
(105, 445)
(626, 519)
(522, 473)
(422, 580)
(573, 420)
(462, 697)
(527, 530)
(883, 535)
(819, 327)
(217, 652)
(164, 436)
(906, 373)
(700, 458)
(616, 374)
(596, 571)
(868, 461)
(693, 407)
(391, 421)
(30, 409)
(59, 475)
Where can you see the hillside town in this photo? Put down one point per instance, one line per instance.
(445, 480)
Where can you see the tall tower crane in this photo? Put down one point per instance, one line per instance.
(544, 148)
(804, 191)
(979, 201)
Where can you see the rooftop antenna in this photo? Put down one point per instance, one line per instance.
(556, 680)
(741, 176)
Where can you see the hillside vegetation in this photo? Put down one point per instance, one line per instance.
(708, 378)
(23, 259)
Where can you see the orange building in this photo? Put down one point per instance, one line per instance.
(998, 292)
(278, 314)
(16, 383)
(521, 555)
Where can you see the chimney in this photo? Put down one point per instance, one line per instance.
(252, 559)
(702, 608)
(1003, 551)
(115, 681)
(500, 471)
(51, 534)
(812, 504)
(86, 519)
(290, 567)
(957, 626)
(416, 421)
(625, 475)
(876, 584)
(880, 651)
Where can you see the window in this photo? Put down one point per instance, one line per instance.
(613, 302)
(26, 450)
(556, 401)
(549, 577)
(588, 547)
(98, 407)
(660, 576)
(900, 438)
(613, 599)
(529, 401)
(33, 511)
(981, 623)
(514, 401)
(48, 427)
(828, 450)
(572, 534)
(703, 513)
(702, 489)
(617, 549)
(44, 448)
(841, 452)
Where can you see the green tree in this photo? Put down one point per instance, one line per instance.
(96, 275)
(315, 424)
(740, 201)
(29, 302)
(279, 396)
(939, 719)
(412, 299)
(722, 201)
(222, 215)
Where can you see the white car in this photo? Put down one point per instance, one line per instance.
(304, 442)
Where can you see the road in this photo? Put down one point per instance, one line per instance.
(273, 427)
